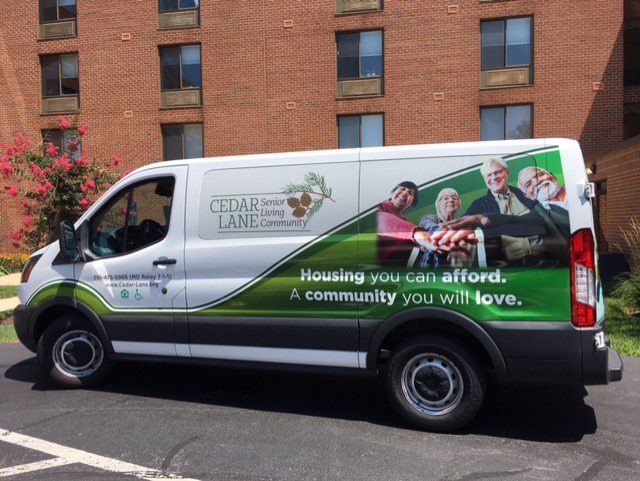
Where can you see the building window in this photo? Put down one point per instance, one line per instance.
(505, 123)
(506, 52)
(60, 75)
(60, 83)
(57, 18)
(182, 141)
(360, 55)
(57, 10)
(632, 56)
(360, 131)
(179, 13)
(631, 121)
(180, 76)
(360, 63)
(61, 139)
(175, 5)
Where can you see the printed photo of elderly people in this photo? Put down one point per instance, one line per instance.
(530, 231)
(400, 240)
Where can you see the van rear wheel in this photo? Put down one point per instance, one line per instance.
(71, 354)
(435, 383)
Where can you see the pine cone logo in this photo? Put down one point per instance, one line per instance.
(293, 202)
(313, 192)
(305, 200)
(299, 212)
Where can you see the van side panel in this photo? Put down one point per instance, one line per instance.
(259, 241)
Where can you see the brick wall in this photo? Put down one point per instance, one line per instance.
(252, 66)
(620, 168)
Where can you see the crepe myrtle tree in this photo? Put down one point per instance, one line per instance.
(50, 185)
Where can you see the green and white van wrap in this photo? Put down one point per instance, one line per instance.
(294, 260)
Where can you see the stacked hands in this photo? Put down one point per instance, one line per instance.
(452, 235)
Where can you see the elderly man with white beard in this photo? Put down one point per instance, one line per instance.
(541, 185)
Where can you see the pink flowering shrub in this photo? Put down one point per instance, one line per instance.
(52, 186)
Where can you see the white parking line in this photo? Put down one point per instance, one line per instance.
(68, 455)
(27, 468)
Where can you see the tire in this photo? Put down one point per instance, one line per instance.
(435, 383)
(72, 355)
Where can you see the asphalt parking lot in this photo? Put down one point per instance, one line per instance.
(156, 421)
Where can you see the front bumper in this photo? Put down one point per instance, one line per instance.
(22, 324)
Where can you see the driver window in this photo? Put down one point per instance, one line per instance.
(138, 217)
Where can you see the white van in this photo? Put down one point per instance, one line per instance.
(437, 265)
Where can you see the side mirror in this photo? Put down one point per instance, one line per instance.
(68, 241)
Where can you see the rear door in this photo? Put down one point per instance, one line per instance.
(135, 279)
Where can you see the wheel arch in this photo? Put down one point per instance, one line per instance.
(51, 309)
(435, 319)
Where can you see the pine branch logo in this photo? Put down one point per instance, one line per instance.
(307, 198)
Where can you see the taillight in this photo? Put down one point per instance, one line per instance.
(583, 278)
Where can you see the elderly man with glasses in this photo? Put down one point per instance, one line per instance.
(526, 232)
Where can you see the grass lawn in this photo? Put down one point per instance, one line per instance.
(623, 330)
(7, 333)
(8, 291)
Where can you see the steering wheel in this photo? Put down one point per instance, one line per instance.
(151, 230)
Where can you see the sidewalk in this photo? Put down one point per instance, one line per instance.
(11, 302)
(10, 280)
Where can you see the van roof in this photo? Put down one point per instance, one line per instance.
(502, 147)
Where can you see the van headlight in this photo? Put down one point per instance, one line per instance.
(28, 267)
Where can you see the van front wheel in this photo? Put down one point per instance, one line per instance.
(435, 383)
(71, 354)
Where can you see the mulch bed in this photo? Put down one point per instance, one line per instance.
(8, 320)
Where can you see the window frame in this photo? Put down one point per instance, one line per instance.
(181, 124)
(113, 199)
(504, 109)
(384, 130)
(42, 22)
(179, 9)
(506, 46)
(179, 46)
(347, 32)
(42, 81)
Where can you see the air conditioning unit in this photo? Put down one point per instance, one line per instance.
(57, 29)
(181, 98)
(59, 105)
(182, 19)
(360, 87)
(349, 6)
(505, 77)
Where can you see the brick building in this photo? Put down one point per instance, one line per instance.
(170, 78)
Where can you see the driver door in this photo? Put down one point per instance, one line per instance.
(135, 277)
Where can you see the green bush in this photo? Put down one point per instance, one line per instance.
(623, 307)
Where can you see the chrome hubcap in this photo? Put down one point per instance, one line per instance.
(77, 353)
(432, 384)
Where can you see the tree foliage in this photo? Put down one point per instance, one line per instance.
(50, 185)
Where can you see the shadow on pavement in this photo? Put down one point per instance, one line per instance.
(534, 413)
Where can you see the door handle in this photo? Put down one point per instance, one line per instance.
(164, 262)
